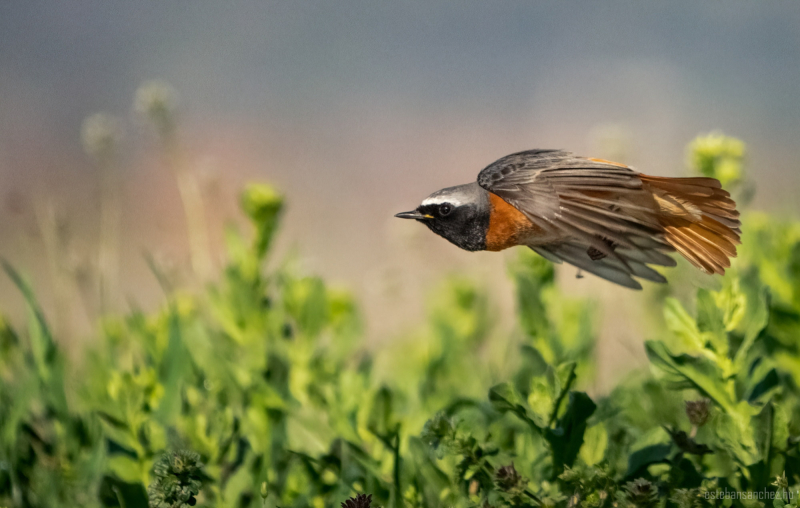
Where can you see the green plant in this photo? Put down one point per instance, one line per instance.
(157, 101)
(263, 379)
(101, 134)
(177, 480)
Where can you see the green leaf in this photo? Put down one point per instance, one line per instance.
(769, 381)
(126, 468)
(532, 365)
(756, 315)
(541, 400)
(435, 478)
(641, 459)
(565, 377)
(115, 492)
(733, 431)
(763, 429)
(793, 269)
(566, 438)
(548, 390)
(381, 418)
(241, 258)
(595, 442)
(699, 373)
(681, 324)
(771, 431)
(505, 398)
(306, 301)
(532, 274)
(42, 344)
(49, 363)
(175, 364)
(711, 322)
(239, 483)
(732, 304)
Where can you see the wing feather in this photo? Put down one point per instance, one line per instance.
(591, 204)
(575, 256)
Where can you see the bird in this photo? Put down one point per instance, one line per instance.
(600, 216)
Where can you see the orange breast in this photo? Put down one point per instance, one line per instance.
(507, 225)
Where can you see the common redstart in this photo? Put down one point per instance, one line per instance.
(600, 216)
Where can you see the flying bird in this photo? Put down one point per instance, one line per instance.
(600, 216)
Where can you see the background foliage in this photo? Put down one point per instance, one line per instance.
(259, 391)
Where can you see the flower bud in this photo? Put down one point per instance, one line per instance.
(100, 135)
(781, 482)
(157, 101)
(263, 204)
(508, 479)
(718, 156)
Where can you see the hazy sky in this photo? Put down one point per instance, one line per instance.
(360, 109)
(314, 65)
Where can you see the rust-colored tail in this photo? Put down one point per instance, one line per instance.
(699, 218)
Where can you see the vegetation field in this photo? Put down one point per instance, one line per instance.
(259, 391)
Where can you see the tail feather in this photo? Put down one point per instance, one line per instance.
(732, 234)
(699, 218)
(697, 256)
(715, 209)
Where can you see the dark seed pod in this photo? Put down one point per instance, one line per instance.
(641, 493)
(698, 411)
(360, 501)
(508, 479)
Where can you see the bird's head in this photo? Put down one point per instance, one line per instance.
(459, 214)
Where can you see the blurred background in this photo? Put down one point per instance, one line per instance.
(358, 110)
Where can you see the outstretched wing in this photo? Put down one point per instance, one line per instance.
(606, 221)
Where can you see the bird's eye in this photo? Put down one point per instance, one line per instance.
(445, 209)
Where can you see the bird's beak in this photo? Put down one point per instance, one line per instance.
(413, 215)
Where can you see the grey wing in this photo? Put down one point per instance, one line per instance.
(603, 218)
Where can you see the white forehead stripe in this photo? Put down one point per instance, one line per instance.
(438, 200)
